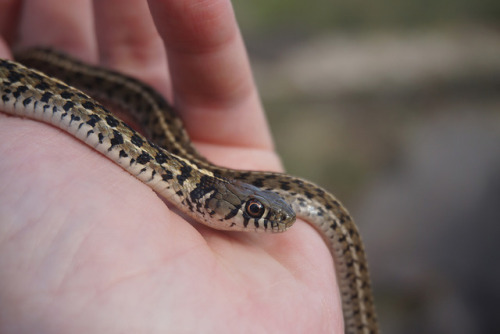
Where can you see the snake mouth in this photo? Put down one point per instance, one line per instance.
(288, 219)
(289, 224)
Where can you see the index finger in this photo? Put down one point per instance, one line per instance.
(65, 25)
(212, 82)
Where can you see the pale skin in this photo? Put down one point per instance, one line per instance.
(87, 248)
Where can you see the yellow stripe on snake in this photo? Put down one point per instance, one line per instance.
(221, 198)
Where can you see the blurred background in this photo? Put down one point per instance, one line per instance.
(394, 106)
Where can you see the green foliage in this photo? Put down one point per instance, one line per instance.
(258, 16)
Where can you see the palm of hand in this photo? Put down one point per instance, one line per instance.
(80, 232)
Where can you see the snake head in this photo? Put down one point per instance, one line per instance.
(243, 207)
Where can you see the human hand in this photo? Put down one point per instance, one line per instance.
(85, 247)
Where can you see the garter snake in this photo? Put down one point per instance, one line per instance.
(165, 160)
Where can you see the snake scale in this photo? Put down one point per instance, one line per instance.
(165, 160)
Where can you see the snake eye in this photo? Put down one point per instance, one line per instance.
(254, 208)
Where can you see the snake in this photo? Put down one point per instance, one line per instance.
(47, 85)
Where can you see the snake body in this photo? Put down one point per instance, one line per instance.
(166, 161)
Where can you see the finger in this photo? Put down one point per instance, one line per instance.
(9, 15)
(66, 25)
(4, 50)
(128, 41)
(212, 82)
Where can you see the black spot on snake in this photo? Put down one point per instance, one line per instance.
(205, 186)
(161, 157)
(36, 76)
(285, 185)
(116, 140)
(136, 140)
(19, 91)
(231, 214)
(167, 176)
(7, 65)
(42, 86)
(143, 158)
(46, 97)
(185, 173)
(100, 136)
(74, 118)
(88, 105)
(112, 122)
(66, 95)
(68, 105)
(14, 77)
(93, 119)
(258, 182)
